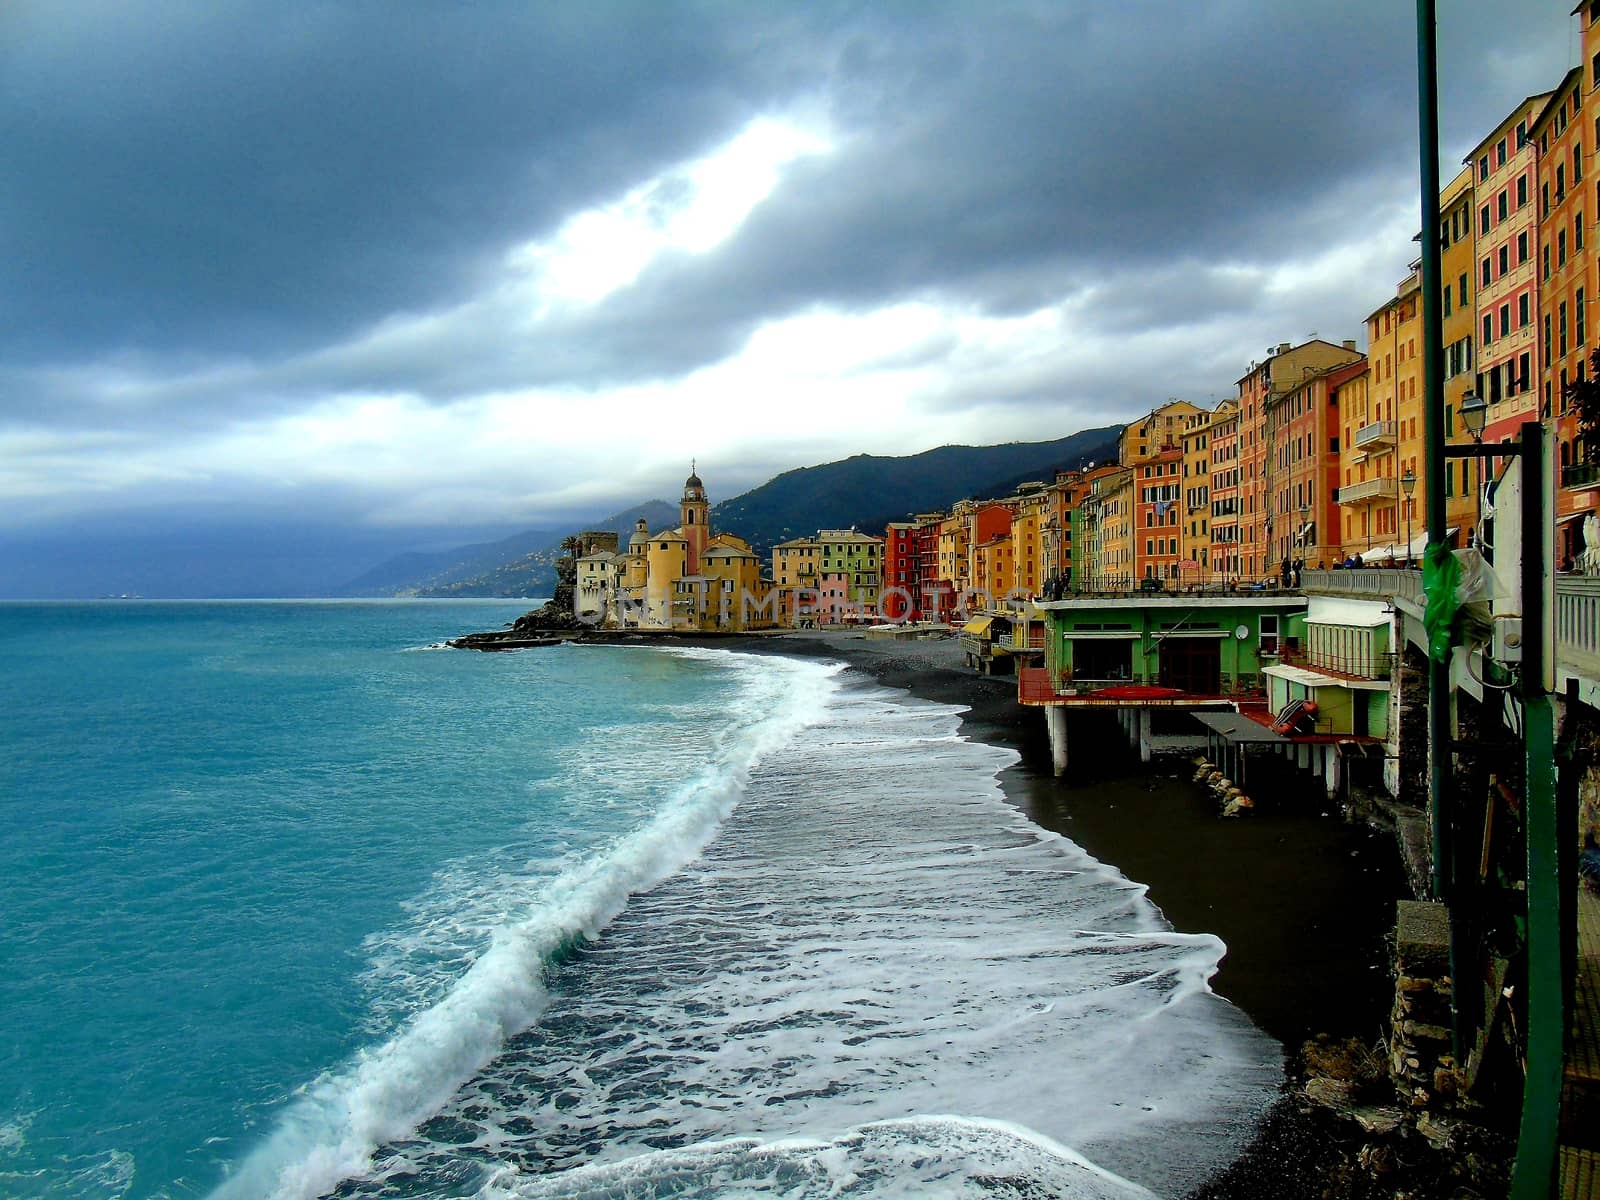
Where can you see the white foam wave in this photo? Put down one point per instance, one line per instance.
(332, 1129)
(877, 935)
(928, 1157)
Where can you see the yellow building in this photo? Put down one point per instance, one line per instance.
(674, 579)
(953, 548)
(1105, 517)
(1382, 424)
(1153, 433)
(1195, 539)
(1030, 565)
(1459, 306)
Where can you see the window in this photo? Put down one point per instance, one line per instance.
(1577, 231)
(1522, 134)
(1461, 290)
(1524, 373)
(1561, 248)
(1500, 153)
(1488, 330)
(1561, 180)
(1578, 323)
(1501, 205)
(1483, 219)
(1577, 162)
(1488, 271)
(1544, 253)
(1447, 302)
(1505, 258)
(1522, 190)
(1522, 248)
(1522, 310)
(1483, 163)
(1547, 337)
(1561, 327)
(1505, 319)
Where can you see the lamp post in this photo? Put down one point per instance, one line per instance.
(1408, 482)
(1474, 413)
(1306, 546)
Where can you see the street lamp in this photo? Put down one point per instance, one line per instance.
(1474, 416)
(1306, 546)
(1408, 482)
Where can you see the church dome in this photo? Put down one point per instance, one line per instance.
(692, 482)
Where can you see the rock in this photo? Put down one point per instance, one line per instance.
(1440, 1132)
(1330, 1093)
(1377, 1120)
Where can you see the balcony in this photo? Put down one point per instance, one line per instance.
(1581, 476)
(1382, 488)
(1379, 433)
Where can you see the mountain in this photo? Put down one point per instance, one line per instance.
(520, 565)
(868, 491)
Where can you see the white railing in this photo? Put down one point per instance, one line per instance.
(1577, 607)
(1376, 434)
(1382, 488)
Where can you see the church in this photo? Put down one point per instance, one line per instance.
(688, 579)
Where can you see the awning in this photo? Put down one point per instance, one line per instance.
(978, 626)
(1236, 728)
(1577, 516)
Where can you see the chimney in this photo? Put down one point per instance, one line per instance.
(1284, 347)
(1349, 343)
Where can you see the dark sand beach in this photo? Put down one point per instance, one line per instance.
(1303, 900)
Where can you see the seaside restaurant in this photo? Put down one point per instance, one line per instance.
(1156, 648)
(1152, 653)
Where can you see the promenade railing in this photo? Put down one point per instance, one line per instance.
(1577, 606)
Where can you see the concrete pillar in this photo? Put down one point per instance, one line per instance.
(1056, 720)
(1144, 735)
(1316, 761)
(1330, 771)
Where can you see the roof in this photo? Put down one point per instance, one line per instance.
(1493, 136)
(1306, 677)
(1237, 728)
(668, 535)
(1557, 98)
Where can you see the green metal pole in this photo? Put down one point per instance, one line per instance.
(1534, 1170)
(1439, 697)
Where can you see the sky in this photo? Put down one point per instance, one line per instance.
(285, 288)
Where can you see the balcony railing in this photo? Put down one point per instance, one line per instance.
(1581, 476)
(1379, 433)
(1382, 488)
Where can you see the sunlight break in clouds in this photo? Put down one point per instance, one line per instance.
(692, 208)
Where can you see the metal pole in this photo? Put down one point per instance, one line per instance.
(1439, 698)
(1534, 1169)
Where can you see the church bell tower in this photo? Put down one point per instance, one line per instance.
(696, 514)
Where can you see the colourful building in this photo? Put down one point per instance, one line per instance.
(1158, 504)
(1459, 271)
(1566, 282)
(1505, 180)
(1282, 371)
(1195, 522)
(1226, 488)
(1303, 429)
(901, 571)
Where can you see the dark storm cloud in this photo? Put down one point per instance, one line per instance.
(218, 198)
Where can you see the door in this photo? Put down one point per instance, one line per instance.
(1192, 665)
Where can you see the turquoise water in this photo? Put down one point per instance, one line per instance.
(293, 902)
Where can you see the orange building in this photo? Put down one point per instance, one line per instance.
(1507, 231)
(1158, 505)
(1304, 432)
(1225, 488)
(1566, 284)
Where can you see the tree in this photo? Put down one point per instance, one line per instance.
(1583, 395)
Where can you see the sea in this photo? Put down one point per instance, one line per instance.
(296, 902)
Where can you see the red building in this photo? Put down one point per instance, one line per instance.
(934, 602)
(1158, 498)
(901, 572)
